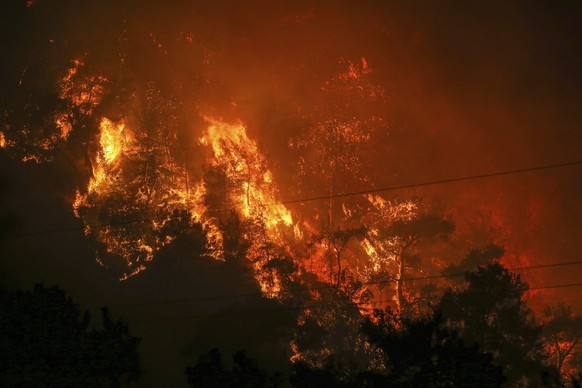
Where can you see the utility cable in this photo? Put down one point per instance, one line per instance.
(327, 287)
(337, 195)
(317, 306)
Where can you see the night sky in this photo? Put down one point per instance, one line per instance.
(443, 90)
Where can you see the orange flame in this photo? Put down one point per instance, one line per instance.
(255, 195)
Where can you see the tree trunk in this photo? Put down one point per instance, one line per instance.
(401, 271)
(399, 292)
(339, 269)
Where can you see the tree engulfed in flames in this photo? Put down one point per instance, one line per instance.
(254, 192)
(47, 125)
(140, 204)
(131, 206)
(145, 188)
(143, 191)
(251, 192)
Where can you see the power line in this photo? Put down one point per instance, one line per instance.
(463, 273)
(337, 195)
(328, 286)
(437, 182)
(319, 306)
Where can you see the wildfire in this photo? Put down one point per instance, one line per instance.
(112, 139)
(112, 143)
(129, 206)
(145, 201)
(83, 91)
(253, 192)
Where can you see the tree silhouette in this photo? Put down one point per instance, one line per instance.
(423, 353)
(563, 336)
(329, 331)
(46, 341)
(490, 312)
(412, 353)
(474, 259)
(397, 231)
(211, 371)
(337, 241)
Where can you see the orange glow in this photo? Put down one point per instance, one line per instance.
(83, 91)
(112, 140)
(134, 239)
(252, 192)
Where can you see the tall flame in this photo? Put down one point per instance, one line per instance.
(255, 193)
(252, 194)
(112, 139)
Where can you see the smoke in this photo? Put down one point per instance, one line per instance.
(443, 90)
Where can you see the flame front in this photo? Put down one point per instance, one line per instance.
(129, 201)
(112, 140)
(254, 193)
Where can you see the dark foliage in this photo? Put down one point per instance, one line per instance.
(490, 312)
(416, 353)
(422, 353)
(475, 259)
(46, 341)
(211, 371)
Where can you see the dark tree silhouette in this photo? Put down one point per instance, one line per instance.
(398, 239)
(408, 233)
(338, 241)
(423, 353)
(210, 372)
(330, 375)
(474, 259)
(490, 312)
(414, 353)
(46, 341)
(563, 337)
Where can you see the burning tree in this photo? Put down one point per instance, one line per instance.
(241, 173)
(46, 118)
(395, 232)
(137, 188)
(333, 153)
(563, 334)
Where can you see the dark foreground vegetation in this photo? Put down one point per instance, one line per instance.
(477, 334)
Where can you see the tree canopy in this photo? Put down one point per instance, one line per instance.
(47, 341)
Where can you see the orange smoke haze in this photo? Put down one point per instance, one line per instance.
(302, 100)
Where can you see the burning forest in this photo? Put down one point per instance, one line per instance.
(360, 170)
